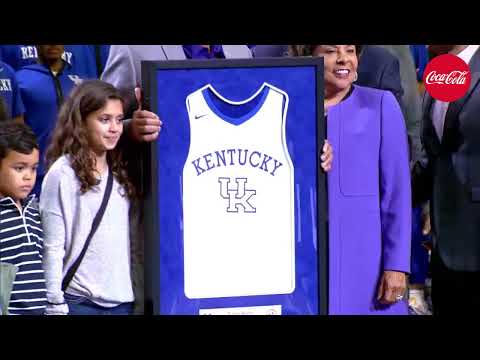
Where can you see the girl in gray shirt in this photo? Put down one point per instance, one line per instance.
(82, 153)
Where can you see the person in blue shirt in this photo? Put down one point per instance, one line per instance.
(18, 56)
(420, 57)
(101, 56)
(3, 110)
(43, 87)
(10, 93)
(81, 57)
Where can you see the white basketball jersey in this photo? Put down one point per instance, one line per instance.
(238, 199)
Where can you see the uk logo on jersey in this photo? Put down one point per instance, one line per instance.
(76, 79)
(238, 197)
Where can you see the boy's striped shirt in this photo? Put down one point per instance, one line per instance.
(21, 244)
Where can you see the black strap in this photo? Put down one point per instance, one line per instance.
(96, 222)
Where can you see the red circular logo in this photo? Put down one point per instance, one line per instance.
(447, 78)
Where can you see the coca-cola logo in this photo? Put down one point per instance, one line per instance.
(447, 78)
(454, 77)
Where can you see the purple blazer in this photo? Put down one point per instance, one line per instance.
(369, 200)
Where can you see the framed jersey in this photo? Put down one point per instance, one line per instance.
(236, 201)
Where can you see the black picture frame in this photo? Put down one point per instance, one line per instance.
(151, 159)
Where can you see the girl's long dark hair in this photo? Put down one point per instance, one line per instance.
(70, 136)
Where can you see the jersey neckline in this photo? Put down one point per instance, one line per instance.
(210, 91)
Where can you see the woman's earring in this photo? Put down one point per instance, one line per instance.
(355, 77)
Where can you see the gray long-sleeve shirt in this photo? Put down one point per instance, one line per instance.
(104, 275)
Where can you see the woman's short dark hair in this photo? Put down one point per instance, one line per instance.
(308, 50)
(17, 137)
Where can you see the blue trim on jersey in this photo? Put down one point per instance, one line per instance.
(208, 95)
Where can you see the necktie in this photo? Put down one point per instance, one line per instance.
(438, 116)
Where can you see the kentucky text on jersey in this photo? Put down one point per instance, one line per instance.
(233, 157)
(5, 85)
(29, 52)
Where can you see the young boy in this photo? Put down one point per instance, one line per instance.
(21, 235)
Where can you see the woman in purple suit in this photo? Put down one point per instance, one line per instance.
(368, 187)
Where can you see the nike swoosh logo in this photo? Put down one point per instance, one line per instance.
(200, 116)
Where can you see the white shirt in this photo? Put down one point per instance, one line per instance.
(439, 108)
(104, 275)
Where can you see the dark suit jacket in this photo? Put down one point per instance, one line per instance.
(450, 177)
(379, 69)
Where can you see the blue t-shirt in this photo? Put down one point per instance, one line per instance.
(10, 92)
(42, 93)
